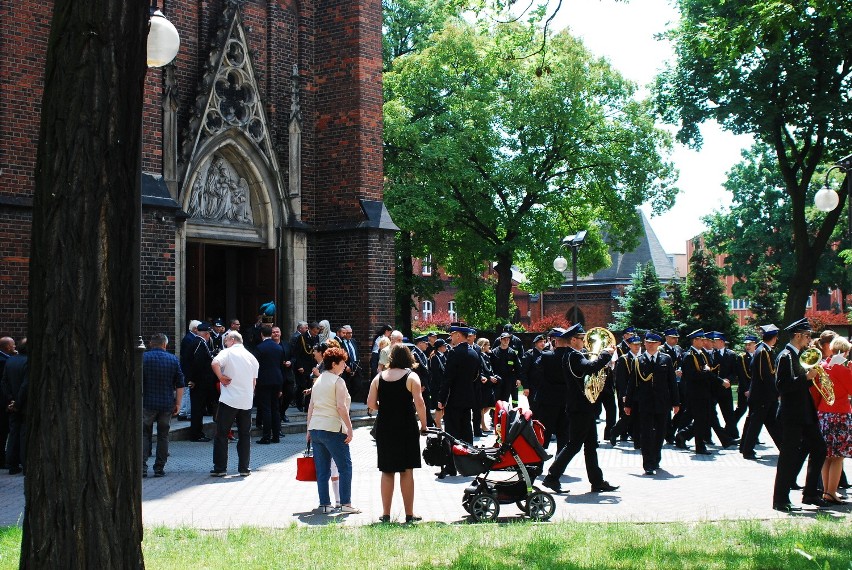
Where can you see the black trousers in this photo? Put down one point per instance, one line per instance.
(457, 423)
(760, 415)
(652, 427)
(581, 433)
(225, 417)
(699, 410)
(607, 399)
(200, 397)
(268, 408)
(554, 417)
(726, 406)
(798, 440)
(15, 447)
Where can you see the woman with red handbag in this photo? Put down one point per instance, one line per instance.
(330, 430)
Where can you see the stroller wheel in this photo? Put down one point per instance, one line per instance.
(484, 508)
(540, 506)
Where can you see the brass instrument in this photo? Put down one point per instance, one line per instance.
(809, 358)
(597, 340)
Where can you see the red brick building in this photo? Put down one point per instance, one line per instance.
(262, 164)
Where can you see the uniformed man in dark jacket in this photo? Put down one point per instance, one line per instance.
(797, 416)
(626, 368)
(437, 368)
(726, 360)
(581, 430)
(527, 364)
(744, 380)
(551, 398)
(675, 352)
(507, 366)
(699, 381)
(763, 395)
(457, 397)
(202, 383)
(652, 396)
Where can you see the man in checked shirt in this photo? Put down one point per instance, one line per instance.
(162, 389)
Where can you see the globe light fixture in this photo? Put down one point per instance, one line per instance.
(163, 39)
(560, 264)
(826, 199)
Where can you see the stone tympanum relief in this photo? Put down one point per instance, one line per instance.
(221, 195)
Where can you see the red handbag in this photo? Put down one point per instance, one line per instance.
(306, 469)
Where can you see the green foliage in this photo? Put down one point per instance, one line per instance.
(678, 304)
(494, 157)
(708, 306)
(642, 305)
(754, 231)
(780, 70)
(765, 295)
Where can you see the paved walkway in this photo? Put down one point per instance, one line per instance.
(688, 488)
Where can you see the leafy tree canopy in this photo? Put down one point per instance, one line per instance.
(780, 70)
(493, 157)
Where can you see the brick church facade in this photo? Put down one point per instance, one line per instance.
(262, 170)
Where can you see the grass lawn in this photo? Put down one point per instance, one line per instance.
(734, 544)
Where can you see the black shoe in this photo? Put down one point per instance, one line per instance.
(613, 441)
(795, 487)
(264, 441)
(728, 443)
(552, 483)
(786, 507)
(703, 452)
(816, 501)
(144, 473)
(477, 434)
(412, 519)
(159, 473)
(281, 434)
(285, 419)
(245, 472)
(217, 473)
(202, 439)
(843, 485)
(650, 471)
(680, 442)
(276, 440)
(751, 456)
(182, 418)
(603, 487)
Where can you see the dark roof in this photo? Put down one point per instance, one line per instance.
(624, 264)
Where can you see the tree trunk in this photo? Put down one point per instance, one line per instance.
(503, 268)
(83, 484)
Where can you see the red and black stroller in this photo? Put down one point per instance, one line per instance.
(518, 449)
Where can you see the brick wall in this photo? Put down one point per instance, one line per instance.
(158, 273)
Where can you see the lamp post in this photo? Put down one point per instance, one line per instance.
(827, 199)
(560, 264)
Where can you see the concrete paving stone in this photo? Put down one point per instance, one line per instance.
(688, 488)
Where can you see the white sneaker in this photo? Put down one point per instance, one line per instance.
(326, 509)
(349, 510)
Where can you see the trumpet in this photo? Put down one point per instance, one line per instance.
(809, 358)
(597, 340)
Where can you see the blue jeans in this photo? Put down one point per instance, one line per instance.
(327, 446)
(163, 419)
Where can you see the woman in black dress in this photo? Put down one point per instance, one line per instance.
(399, 393)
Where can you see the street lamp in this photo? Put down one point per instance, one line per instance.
(560, 264)
(163, 39)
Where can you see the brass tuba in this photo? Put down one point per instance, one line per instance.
(809, 358)
(597, 340)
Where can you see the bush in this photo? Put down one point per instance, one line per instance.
(549, 322)
(438, 322)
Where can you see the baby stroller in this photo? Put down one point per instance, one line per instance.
(518, 449)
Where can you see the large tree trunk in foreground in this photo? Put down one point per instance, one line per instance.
(83, 484)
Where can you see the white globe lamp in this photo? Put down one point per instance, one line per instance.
(826, 199)
(163, 40)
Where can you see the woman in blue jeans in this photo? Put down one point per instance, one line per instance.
(330, 430)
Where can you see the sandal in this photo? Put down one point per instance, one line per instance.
(326, 509)
(384, 519)
(412, 518)
(828, 498)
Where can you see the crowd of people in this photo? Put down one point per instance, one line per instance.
(650, 390)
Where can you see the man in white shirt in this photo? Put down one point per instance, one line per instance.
(236, 368)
